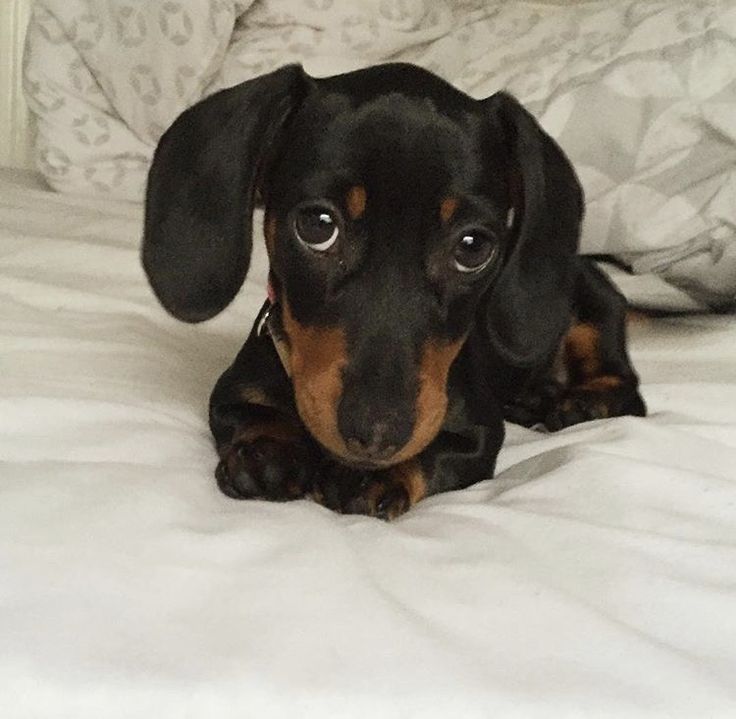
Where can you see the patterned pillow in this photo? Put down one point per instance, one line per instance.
(640, 93)
(104, 79)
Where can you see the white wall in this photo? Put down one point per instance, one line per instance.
(14, 127)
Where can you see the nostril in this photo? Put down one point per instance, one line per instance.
(355, 445)
(383, 452)
(371, 451)
(375, 442)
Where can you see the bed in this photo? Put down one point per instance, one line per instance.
(595, 575)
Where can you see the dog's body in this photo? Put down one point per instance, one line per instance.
(424, 276)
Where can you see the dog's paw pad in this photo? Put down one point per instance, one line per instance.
(584, 405)
(532, 406)
(264, 468)
(350, 491)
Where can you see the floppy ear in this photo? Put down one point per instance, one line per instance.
(201, 187)
(528, 309)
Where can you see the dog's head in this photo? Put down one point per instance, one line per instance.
(400, 215)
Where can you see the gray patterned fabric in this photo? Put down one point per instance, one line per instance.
(640, 93)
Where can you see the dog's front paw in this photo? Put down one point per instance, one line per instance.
(265, 468)
(581, 404)
(532, 406)
(377, 493)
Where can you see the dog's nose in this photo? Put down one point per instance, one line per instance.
(374, 442)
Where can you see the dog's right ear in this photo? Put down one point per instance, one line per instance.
(201, 191)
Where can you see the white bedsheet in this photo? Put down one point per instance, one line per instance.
(596, 576)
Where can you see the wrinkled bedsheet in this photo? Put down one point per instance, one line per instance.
(595, 576)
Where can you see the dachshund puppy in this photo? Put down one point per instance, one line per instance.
(424, 283)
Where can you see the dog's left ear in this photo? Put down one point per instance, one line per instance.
(528, 309)
(201, 187)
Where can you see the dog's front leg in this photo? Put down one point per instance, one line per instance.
(384, 493)
(266, 459)
(264, 450)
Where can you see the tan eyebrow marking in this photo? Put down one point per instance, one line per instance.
(356, 200)
(447, 209)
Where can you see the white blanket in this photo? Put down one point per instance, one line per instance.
(595, 577)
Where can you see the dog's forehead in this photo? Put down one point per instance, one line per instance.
(391, 138)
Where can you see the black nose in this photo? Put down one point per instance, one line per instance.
(372, 442)
(374, 436)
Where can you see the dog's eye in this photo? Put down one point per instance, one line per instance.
(316, 228)
(474, 251)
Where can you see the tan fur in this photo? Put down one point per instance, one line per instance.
(356, 200)
(603, 383)
(447, 209)
(431, 404)
(411, 476)
(582, 350)
(317, 357)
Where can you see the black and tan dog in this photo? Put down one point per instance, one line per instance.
(425, 283)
